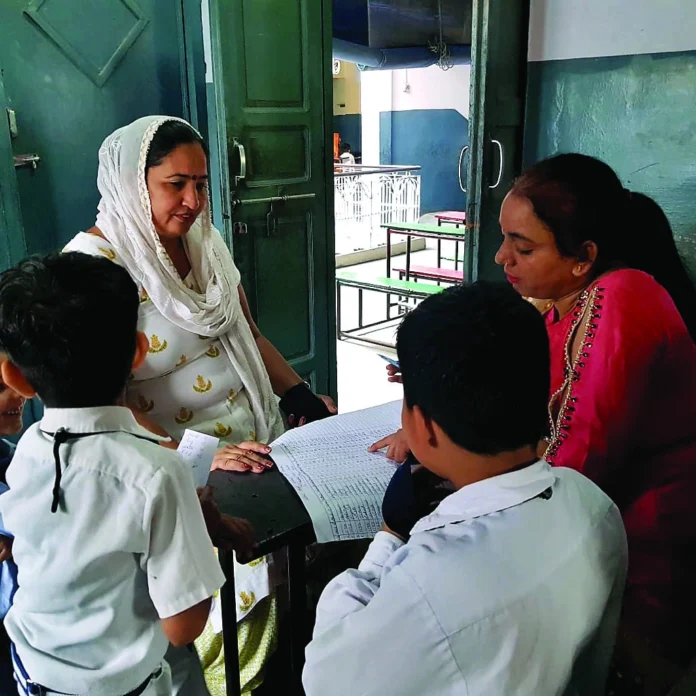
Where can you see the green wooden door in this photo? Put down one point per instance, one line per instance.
(498, 83)
(272, 73)
(73, 72)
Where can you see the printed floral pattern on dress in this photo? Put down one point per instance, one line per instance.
(213, 352)
(109, 253)
(144, 405)
(222, 430)
(182, 361)
(185, 416)
(246, 600)
(201, 386)
(157, 346)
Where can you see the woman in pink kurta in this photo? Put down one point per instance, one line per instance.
(621, 319)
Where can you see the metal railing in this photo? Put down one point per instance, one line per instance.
(368, 196)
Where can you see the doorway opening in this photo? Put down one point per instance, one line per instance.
(399, 140)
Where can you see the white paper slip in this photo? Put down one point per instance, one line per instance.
(198, 450)
(340, 483)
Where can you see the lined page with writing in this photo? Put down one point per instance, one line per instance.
(340, 483)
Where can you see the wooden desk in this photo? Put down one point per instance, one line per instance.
(280, 520)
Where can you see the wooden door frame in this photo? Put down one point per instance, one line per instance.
(327, 43)
(497, 107)
(13, 247)
(193, 64)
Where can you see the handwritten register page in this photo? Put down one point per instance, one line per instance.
(340, 483)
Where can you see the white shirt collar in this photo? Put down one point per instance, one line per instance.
(96, 419)
(490, 495)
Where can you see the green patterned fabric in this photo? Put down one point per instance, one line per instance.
(257, 636)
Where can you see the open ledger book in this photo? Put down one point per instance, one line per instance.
(340, 483)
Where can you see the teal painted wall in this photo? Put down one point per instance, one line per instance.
(638, 113)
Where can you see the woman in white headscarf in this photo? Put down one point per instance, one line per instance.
(208, 367)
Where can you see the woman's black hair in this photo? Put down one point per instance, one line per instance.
(581, 199)
(168, 137)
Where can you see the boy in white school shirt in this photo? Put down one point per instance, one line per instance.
(513, 584)
(114, 558)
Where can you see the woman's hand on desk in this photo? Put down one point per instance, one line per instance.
(394, 374)
(246, 456)
(397, 448)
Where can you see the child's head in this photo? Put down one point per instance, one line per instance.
(68, 327)
(345, 147)
(11, 408)
(475, 367)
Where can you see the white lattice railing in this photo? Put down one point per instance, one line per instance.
(369, 196)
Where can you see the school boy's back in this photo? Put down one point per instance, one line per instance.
(126, 546)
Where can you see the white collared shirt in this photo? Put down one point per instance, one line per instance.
(127, 547)
(500, 591)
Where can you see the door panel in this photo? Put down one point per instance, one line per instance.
(74, 71)
(12, 242)
(498, 83)
(271, 67)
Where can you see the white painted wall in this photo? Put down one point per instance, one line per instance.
(432, 88)
(565, 29)
(375, 96)
(428, 88)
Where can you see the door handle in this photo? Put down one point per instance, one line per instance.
(242, 161)
(459, 170)
(500, 166)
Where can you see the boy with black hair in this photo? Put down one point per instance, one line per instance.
(114, 558)
(513, 583)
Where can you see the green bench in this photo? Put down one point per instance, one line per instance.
(404, 290)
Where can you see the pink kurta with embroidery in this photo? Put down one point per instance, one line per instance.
(629, 424)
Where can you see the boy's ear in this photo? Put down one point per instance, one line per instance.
(142, 345)
(424, 427)
(12, 376)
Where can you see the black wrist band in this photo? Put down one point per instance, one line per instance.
(300, 402)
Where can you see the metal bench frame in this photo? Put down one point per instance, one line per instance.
(405, 291)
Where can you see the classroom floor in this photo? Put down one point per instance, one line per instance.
(362, 376)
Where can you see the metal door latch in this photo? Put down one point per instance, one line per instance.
(26, 161)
